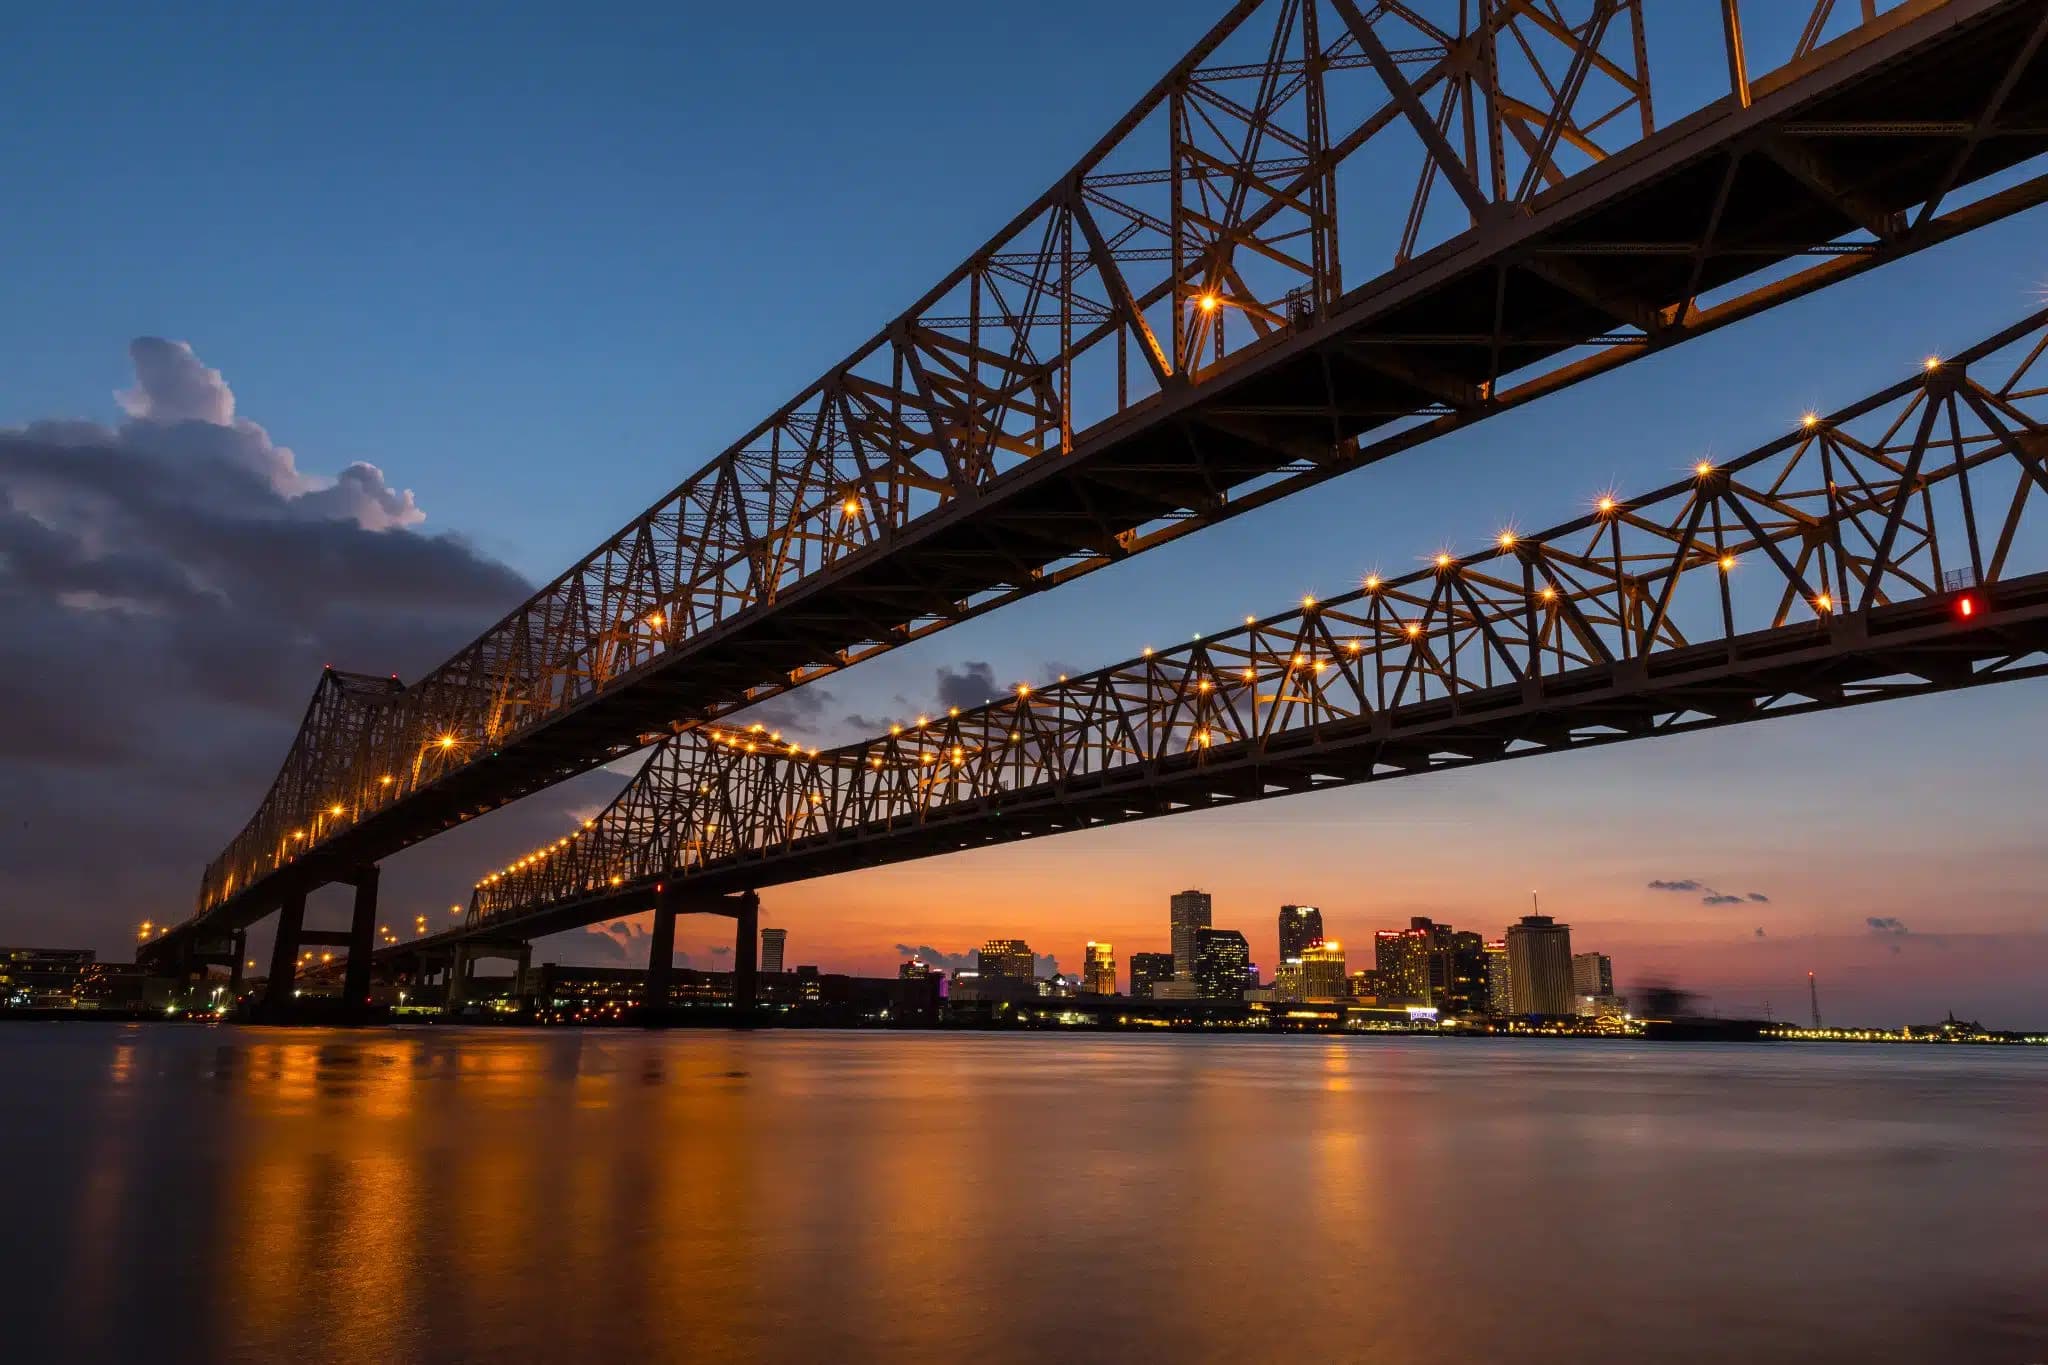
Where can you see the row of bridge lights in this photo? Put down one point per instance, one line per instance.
(751, 741)
(443, 743)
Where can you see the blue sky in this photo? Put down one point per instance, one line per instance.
(537, 264)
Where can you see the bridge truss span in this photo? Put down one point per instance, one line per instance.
(1219, 305)
(1891, 548)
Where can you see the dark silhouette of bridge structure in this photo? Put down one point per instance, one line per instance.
(1166, 338)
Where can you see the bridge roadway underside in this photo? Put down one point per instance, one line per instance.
(1694, 207)
(1911, 649)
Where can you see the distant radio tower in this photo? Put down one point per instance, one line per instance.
(1813, 995)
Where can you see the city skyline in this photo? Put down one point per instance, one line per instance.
(673, 676)
(1904, 905)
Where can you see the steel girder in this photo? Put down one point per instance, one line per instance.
(1891, 548)
(1166, 338)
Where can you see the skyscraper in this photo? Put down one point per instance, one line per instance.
(1300, 925)
(1007, 966)
(1146, 969)
(1223, 963)
(1402, 959)
(1499, 1000)
(1322, 971)
(1592, 974)
(1190, 913)
(1098, 977)
(1466, 992)
(772, 941)
(1540, 966)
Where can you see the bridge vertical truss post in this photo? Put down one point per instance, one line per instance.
(362, 932)
(235, 967)
(284, 959)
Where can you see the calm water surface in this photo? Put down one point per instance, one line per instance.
(442, 1195)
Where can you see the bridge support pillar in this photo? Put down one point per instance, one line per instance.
(235, 967)
(284, 959)
(661, 955)
(362, 935)
(458, 973)
(746, 947)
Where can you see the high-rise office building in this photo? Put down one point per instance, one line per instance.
(1098, 977)
(1190, 915)
(1322, 971)
(1223, 963)
(917, 969)
(1592, 974)
(1147, 969)
(772, 943)
(1300, 925)
(1540, 966)
(1402, 959)
(1007, 960)
(1499, 1000)
(1466, 993)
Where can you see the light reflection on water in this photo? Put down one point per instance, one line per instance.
(445, 1195)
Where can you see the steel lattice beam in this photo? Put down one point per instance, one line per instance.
(1165, 338)
(1894, 547)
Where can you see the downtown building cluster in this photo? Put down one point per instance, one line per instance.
(1426, 971)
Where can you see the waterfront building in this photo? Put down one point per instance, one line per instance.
(42, 978)
(1466, 992)
(1322, 972)
(1287, 981)
(1223, 964)
(1604, 1006)
(1540, 966)
(1008, 960)
(1147, 970)
(1402, 959)
(1098, 976)
(772, 944)
(1189, 913)
(1364, 985)
(1592, 974)
(1499, 1001)
(1300, 925)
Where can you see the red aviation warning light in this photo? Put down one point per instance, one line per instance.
(1966, 606)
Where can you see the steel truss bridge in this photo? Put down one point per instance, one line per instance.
(1894, 548)
(1166, 338)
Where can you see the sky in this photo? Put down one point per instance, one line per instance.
(332, 331)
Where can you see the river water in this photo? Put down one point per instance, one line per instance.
(440, 1195)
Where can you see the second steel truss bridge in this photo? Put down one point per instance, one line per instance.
(1332, 232)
